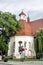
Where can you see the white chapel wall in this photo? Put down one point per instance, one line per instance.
(16, 39)
(10, 46)
(26, 39)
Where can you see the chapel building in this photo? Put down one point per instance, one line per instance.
(24, 37)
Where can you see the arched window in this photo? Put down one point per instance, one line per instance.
(29, 44)
(20, 42)
(13, 46)
(25, 44)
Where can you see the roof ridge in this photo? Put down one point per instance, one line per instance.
(36, 20)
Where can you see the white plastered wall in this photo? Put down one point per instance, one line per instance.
(16, 39)
(10, 46)
(26, 39)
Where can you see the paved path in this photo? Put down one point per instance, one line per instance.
(22, 63)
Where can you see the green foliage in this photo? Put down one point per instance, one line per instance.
(36, 45)
(40, 44)
(38, 41)
(3, 46)
(9, 22)
(10, 25)
(5, 59)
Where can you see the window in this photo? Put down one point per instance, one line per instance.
(29, 44)
(20, 42)
(24, 44)
(13, 46)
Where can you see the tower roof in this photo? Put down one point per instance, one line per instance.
(22, 13)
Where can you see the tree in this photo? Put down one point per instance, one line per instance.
(3, 46)
(38, 41)
(10, 25)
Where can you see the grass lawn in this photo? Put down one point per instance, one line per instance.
(26, 59)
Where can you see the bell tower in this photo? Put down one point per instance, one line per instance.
(22, 15)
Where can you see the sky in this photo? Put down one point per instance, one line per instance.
(33, 8)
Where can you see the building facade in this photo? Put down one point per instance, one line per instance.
(24, 38)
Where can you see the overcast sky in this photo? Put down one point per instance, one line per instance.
(33, 8)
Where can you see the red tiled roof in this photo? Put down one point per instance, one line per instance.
(26, 29)
(29, 28)
(22, 13)
(36, 25)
